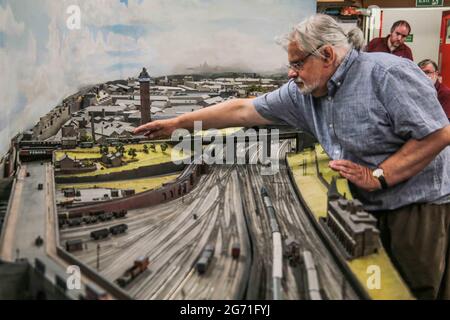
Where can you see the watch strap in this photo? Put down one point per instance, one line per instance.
(383, 182)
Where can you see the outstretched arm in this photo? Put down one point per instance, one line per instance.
(231, 113)
(408, 161)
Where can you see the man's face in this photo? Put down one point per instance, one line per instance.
(308, 76)
(430, 72)
(398, 36)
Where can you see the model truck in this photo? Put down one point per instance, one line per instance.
(100, 234)
(74, 245)
(205, 258)
(120, 214)
(121, 228)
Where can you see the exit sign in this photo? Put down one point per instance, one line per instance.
(429, 3)
(409, 38)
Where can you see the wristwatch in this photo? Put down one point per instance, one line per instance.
(379, 174)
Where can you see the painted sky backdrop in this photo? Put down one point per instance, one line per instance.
(42, 60)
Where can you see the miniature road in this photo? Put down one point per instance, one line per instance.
(28, 211)
(31, 215)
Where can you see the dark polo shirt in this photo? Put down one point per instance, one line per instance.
(444, 97)
(381, 45)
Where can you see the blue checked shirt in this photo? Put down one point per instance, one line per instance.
(376, 102)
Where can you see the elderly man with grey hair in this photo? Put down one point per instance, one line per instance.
(377, 116)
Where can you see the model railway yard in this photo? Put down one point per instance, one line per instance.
(213, 243)
(173, 236)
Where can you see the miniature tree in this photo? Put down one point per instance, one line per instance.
(153, 147)
(120, 148)
(86, 138)
(145, 148)
(104, 149)
(164, 147)
(133, 153)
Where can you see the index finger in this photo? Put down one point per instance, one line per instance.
(342, 163)
(146, 128)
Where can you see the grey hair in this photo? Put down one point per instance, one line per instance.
(319, 30)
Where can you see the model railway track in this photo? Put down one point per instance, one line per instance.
(294, 222)
(175, 252)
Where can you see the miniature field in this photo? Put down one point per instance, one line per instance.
(143, 159)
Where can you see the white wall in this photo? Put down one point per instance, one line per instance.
(425, 26)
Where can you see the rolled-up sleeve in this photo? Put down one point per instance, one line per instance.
(280, 106)
(411, 101)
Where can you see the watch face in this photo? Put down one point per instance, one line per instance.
(378, 173)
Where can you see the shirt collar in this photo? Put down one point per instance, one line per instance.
(437, 85)
(339, 75)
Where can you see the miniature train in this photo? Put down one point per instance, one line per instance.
(105, 232)
(139, 266)
(205, 259)
(235, 250)
(74, 219)
(74, 245)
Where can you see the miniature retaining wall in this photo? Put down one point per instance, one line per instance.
(169, 191)
(138, 173)
(7, 214)
(74, 171)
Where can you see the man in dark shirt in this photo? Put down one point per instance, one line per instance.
(430, 68)
(395, 42)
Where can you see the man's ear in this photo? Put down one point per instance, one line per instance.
(328, 55)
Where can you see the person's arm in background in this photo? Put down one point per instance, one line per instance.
(408, 161)
(231, 113)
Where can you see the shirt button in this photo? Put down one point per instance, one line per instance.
(330, 125)
(329, 98)
(338, 84)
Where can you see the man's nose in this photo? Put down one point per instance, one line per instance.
(292, 74)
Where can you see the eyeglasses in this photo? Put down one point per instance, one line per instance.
(428, 72)
(298, 65)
